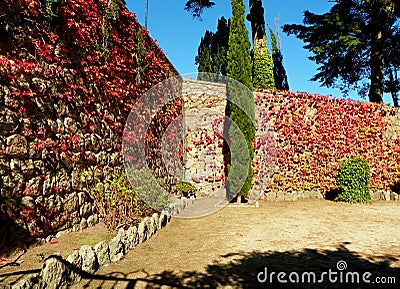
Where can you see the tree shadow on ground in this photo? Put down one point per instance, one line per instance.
(240, 270)
(337, 268)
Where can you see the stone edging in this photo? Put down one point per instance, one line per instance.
(295, 196)
(59, 273)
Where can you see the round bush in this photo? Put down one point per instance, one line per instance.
(186, 189)
(352, 181)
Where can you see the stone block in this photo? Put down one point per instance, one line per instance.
(28, 202)
(4, 167)
(117, 249)
(155, 221)
(103, 253)
(132, 237)
(91, 220)
(163, 220)
(89, 259)
(31, 282)
(386, 195)
(85, 210)
(17, 145)
(270, 196)
(280, 196)
(84, 224)
(75, 259)
(35, 186)
(55, 273)
(71, 202)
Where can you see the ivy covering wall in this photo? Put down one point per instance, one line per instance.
(70, 72)
(315, 134)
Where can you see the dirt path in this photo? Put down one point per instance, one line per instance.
(229, 248)
(14, 268)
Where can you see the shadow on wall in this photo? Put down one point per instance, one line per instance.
(13, 235)
(332, 194)
(240, 270)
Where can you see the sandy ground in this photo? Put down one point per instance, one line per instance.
(235, 247)
(228, 249)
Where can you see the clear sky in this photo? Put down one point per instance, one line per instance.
(178, 34)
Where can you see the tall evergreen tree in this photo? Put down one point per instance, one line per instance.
(263, 76)
(219, 47)
(262, 64)
(239, 61)
(239, 68)
(280, 77)
(351, 44)
(203, 58)
(212, 51)
(262, 68)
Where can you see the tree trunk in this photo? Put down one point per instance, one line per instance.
(393, 87)
(395, 99)
(256, 18)
(377, 55)
(377, 65)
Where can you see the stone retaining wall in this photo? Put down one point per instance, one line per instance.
(204, 159)
(295, 196)
(64, 114)
(204, 106)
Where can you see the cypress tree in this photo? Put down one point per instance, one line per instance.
(239, 68)
(239, 61)
(263, 76)
(212, 51)
(219, 47)
(203, 58)
(280, 77)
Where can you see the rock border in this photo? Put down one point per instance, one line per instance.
(57, 272)
(379, 195)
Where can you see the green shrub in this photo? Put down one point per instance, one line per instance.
(352, 181)
(186, 189)
(115, 200)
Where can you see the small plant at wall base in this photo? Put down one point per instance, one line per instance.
(115, 200)
(186, 189)
(352, 181)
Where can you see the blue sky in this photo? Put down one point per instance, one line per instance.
(178, 34)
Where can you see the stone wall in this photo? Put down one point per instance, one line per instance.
(315, 134)
(204, 108)
(63, 107)
(204, 159)
(291, 196)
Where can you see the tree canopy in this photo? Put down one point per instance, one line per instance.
(196, 7)
(351, 44)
